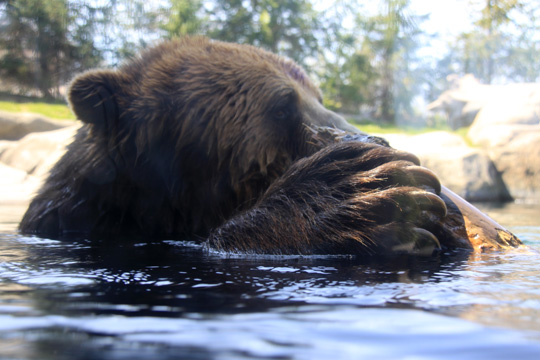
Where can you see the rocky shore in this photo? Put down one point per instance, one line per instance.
(29, 145)
(503, 163)
(504, 127)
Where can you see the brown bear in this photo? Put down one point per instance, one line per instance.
(209, 140)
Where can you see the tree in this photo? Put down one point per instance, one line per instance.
(43, 45)
(127, 26)
(285, 27)
(344, 64)
(391, 41)
(494, 14)
(503, 44)
(185, 17)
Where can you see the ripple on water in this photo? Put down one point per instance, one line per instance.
(145, 296)
(306, 333)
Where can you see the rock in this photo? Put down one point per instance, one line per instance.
(517, 104)
(509, 129)
(462, 102)
(36, 153)
(25, 163)
(5, 144)
(499, 135)
(467, 171)
(468, 100)
(518, 161)
(11, 175)
(507, 116)
(16, 186)
(14, 126)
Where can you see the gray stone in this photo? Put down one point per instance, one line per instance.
(507, 116)
(36, 153)
(509, 129)
(16, 186)
(14, 126)
(470, 102)
(506, 127)
(24, 164)
(462, 102)
(490, 137)
(467, 171)
(5, 144)
(519, 163)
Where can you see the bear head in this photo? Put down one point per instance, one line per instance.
(203, 125)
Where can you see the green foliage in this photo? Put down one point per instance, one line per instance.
(347, 75)
(392, 38)
(496, 13)
(184, 18)
(286, 27)
(502, 45)
(43, 44)
(372, 68)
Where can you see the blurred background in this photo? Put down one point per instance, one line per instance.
(378, 61)
(405, 69)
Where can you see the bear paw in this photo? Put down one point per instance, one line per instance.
(349, 198)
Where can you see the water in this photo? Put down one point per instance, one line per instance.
(173, 301)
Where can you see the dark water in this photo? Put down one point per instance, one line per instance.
(173, 301)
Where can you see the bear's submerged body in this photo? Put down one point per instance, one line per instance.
(225, 142)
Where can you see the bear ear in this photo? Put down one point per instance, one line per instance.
(92, 97)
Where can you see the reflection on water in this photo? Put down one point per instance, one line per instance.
(171, 300)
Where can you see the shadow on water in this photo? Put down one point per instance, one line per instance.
(169, 300)
(174, 278)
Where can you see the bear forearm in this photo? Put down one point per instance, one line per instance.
(298, 229)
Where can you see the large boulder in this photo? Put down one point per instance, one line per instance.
(25, 163)
(16, 186)
(507, 116)
(14, 126)
(508, 127)
(513, 104)
(467, 171)
(37, 152)
(469, 102)
(462, 101)
(490, 137)
(5, 144)
(518, 161)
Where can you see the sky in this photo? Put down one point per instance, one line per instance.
(446, 17)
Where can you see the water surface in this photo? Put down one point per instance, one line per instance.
(171, 300)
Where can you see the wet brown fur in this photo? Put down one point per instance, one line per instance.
(189, 136)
